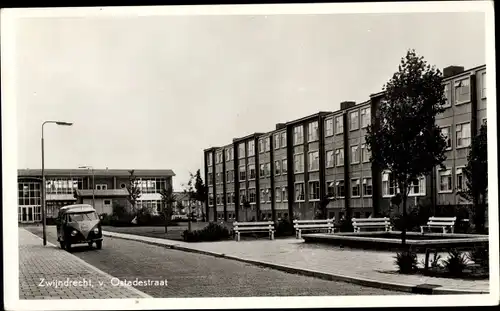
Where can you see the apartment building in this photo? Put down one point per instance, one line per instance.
(100, 188)
(285, 173)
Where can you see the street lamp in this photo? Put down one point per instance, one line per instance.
(93, 182)
(44, 222)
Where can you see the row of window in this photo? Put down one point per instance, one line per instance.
(462, 135)
(446, 180)
(390, 188)
(265, 216)
(461, 90)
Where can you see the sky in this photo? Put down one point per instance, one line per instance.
(152, 92)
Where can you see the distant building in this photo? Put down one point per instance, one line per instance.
(183, 203)
(284, 173)
(64, 187)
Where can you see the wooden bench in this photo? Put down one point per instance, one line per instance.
(374, 223)
(317, 224)
(440, 222)
(261, 226)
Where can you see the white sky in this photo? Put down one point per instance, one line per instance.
(152, 92)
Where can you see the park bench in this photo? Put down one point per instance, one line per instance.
(372, 223)
(261, 226)
(308, 225)
(440, 222)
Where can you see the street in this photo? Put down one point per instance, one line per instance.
(196, 275)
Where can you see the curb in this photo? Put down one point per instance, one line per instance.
(415, 289)
(97, 270)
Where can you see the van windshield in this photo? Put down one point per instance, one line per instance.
(82, 216)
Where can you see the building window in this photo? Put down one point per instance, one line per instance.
(483, 85)
(314, 190)
(313, 133)
(209, 159)
(417, 186)
(243, 196)
(262, 170)
(229, 154)
(210, 199)
(252, 195)
(463, 135)
(210, 178)
(284, 193)
(228, 198)
(365, 153)
(339, 125)
(217, 178)
(329, 127)
(219, 157)
(329, 159)
(460, 182)
(101, 187)
(330, 189)
(355, 191)
(445, 182)
(241, 151)
(243, 173)
(261, 145)
(218, 199)
(264, 195)
(276, 141)
(339, 157)
(354, 120)
(228, 177)
(298, 135)
(462, 91)
(299, 192)
(446, 132)
(447, 96)
(267, 143)
(268, 169)
(284, 166)
(277, 194)
(388, 184)
(365, 117)
(123, 186)
(340, 188)
(298, 163)
(283, 140)
(251, 148)
(354, 154)
(251, 171)
(277, 168)
(313, 161)
(367, 187)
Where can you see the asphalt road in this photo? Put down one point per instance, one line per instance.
(196, 275)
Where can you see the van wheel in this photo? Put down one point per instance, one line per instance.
(90, 244)
(61, 244)
(98, 244)
(68, 246)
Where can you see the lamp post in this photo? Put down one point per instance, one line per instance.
(44, 222)
(93, 182)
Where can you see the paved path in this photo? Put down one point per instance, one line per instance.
(48, 272)
(196, 275)
(376, 266)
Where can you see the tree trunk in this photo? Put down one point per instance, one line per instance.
(403, 232)
(166, 222)
(189, 215)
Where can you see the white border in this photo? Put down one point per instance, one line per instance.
(9, 145)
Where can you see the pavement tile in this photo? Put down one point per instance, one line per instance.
(57, 268)
(368, 264)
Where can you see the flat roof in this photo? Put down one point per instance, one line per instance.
(97, 172)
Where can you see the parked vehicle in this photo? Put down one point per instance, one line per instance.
(78, 224)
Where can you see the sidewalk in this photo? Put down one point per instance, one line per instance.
(48, 272)
(364, 267)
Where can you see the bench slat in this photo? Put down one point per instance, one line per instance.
(313, 226)
(254, 228)
(440, 223)
(252, 223)
(371, 224)
(296, 221)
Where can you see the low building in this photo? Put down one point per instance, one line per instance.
(101, 188)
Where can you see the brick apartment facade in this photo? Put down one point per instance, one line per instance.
(285, 173)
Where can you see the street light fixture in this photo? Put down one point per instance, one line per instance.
(44, 222)
(93, 182)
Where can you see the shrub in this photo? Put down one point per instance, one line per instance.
(406, 262)
(212, 232)
(284, 228)
(105, 219)
(480, 256)
(456, 262)
(119, 210)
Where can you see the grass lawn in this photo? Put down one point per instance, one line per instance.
(174, 232)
